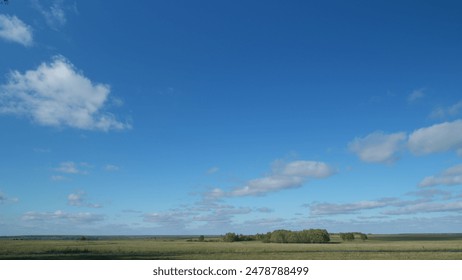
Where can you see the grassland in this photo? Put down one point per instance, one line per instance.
(377, 247)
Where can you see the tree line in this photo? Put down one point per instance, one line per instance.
(283, 236)
(289, 236)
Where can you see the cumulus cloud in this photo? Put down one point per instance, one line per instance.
(14, 30)
(57, 94)
(283, 176)
(449, 177)
(437, 138)
(378, 147)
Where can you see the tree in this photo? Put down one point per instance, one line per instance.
(363, 236)
(347, 236)
(201, 238)
(280, 236)
(304, 236)
(231, 237)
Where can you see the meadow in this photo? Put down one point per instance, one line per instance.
(377, 247)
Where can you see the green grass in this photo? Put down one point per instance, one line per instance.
(377, 247)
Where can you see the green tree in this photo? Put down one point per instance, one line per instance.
(201, 238)
(280, 236)
(347, 236)
(231, 237)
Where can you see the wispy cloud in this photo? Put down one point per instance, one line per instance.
(61, 216)
(168, 219)
(79, 200)
(14, 30)
(450, 111)
(283, 176)
(265, 210)
(348, 208)
(437, 138)
(70, 167)
(427, 201)
(416, 95)
(449, 177)
(213, 170)
(378, 147)
(427, 207)
(54, 12)
(57, 94)
(5, 199)
(58, 178)
(111, 168)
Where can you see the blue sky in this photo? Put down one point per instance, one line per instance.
(203, 117)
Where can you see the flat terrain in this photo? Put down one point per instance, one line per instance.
(377, 247)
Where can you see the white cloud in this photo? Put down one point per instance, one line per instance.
(75, 199)
(14, 30)
(57, 94)
(265, 210)
(111, 168)
(426, 207)
(449, 177)
(283, 176)
(442, 112)
(347, 208)
(437, 138)
(57, 178)
(79, 200)
(68, 167)
(213, 170)
(79, 218)
(415, 95)
(54, 14)
(169, 219)
(378, 147)
(4, 199)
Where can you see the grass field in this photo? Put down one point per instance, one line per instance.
(377, 247)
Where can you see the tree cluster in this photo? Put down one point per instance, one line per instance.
(350, 236)
(233, 237)
(303, 236)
